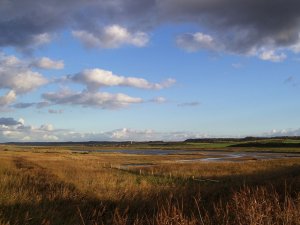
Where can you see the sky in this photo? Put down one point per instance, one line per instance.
(118, 70)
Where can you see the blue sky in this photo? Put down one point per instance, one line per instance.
(148, 71)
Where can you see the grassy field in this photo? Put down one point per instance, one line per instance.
(52, 185)
(273, 145)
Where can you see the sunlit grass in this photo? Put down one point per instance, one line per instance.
(65, 188)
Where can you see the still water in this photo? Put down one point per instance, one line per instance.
(204, 155)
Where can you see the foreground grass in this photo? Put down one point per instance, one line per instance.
(64, 188)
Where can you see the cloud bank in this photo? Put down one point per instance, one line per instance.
(262, 28)
(12, 129)
(17, 130)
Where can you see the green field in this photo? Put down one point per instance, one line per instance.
(57, 185)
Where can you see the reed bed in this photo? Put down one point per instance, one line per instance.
(65, 188)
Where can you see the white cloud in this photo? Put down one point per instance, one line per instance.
(102, 100)
(271, 55)
(112, 36)
(16, 130)
(126, 134)
(21, 121)
(12, 130)
(197, 41)
(42, 39)
(129, 134)
(95, 78)
(46, 63)
(8, 98)
(18, 76)
(21, 81)
(50, 138)
(282, 132)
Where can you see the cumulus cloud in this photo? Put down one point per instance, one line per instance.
(271, 55)
(102, 100)
(46, 63)
(112, 36)
(21, 81)
(16, 130)
(92, 79)
(17, 76)
(95, 78)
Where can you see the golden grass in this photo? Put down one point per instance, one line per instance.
(65, 188)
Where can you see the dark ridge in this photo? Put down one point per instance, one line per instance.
(267, 145)
(218, 140)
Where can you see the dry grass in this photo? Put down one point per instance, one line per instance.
(64, 188)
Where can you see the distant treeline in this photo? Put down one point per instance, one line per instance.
(245, 139)
(248, 140)
(88, 143)
(267, 145)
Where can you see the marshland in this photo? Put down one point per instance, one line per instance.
(97, 184)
